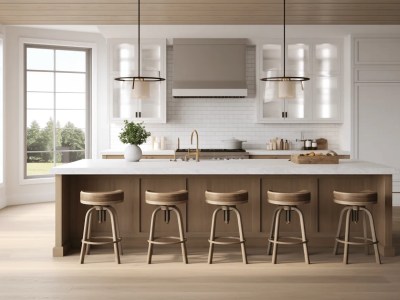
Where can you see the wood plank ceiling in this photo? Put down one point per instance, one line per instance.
(172, 12)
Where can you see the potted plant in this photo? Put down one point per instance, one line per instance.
(133, 134)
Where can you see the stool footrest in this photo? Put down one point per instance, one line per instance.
(351, 242)
(298, 240)
(236, 240)
(101, 240)
(168, 240)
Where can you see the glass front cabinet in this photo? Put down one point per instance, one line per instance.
(317, 100)
(123, 62)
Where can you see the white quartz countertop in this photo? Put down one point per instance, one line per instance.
(218, 167)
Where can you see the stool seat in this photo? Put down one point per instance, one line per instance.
(166, 201)
(169, 198)
(101, 203)
(296, 198)
(287, 202)
(355, 199)
(354, 204)
(226, 202)
(233, 198)
(102, 198)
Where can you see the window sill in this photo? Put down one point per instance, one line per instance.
(27, 181)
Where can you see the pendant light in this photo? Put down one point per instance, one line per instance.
(140, 84)
(286, 84)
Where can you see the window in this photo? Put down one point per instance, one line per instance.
(57, 94)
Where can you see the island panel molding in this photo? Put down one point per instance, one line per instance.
(134, 215)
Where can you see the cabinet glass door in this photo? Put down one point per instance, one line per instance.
(326, 97)
(298, 60)
(124, 64)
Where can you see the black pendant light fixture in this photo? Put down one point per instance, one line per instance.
(286, 84)
(140, 84)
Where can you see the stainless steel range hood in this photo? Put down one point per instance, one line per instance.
(210, 68)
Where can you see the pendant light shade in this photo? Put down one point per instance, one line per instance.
(286, 84)
(141, 90)
(140, 84)
(286, 89)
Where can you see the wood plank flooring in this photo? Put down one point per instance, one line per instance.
(28, 270)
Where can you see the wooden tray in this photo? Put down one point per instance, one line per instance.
(317, 159)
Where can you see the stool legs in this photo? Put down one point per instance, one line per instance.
(373, 234)
(182, 239)
(274, 233)
(241, 236)
(181, 236)
(349, 210)
(86, 234)
(241, 239)
(303, 235)
(151, 237)
(114, 234)
(335, 248)
(116, 240)
(212, 234)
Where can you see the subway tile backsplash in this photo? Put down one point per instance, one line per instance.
(223, 118)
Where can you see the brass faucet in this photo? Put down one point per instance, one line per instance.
(178, 146)
(197, 143)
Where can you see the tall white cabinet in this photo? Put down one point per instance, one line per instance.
(376, 74)
(318, 100)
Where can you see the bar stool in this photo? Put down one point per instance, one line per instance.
(101, 202)
(227, 202)
(354, 203)
(287, 202)
(167, 202)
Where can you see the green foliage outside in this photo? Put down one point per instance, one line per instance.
(68, 137)
(133, 133)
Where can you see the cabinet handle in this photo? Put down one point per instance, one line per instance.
(283, 115)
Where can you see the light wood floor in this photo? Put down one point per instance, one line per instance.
(28, 270)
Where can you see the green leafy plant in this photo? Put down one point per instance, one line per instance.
(133, 133)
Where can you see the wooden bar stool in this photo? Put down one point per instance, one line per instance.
(287, 202)
(101, 202)
(167, 202)
(354, 203)
(227, 202)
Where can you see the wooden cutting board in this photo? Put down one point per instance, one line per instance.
(317, 159)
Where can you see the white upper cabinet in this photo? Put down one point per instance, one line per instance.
(317, 100)
(124, 63)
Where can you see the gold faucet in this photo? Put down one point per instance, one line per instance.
(197, 143)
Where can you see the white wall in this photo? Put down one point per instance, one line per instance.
(19, 191)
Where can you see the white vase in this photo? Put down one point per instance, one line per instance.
(132, 153)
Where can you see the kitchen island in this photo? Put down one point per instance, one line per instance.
(255, 176)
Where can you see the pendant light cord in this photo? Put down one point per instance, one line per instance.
(139, 50)
(284, 38)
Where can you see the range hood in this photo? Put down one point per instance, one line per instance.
(209, 68)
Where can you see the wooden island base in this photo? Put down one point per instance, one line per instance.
(321, 215)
